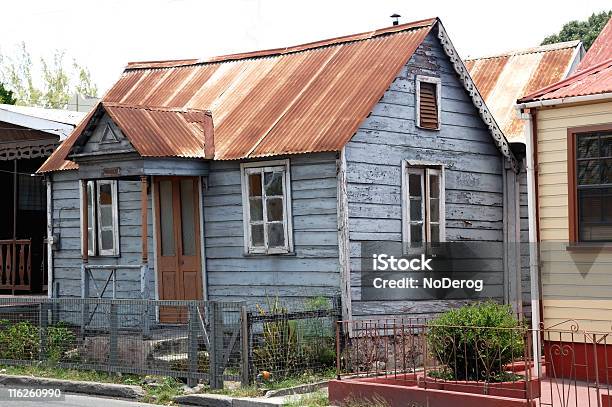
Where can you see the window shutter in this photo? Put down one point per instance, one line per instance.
(428, 106)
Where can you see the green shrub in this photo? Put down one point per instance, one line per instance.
(476, 342)
(21, 341)
(279, 351)
(59, 340)
(318, 339)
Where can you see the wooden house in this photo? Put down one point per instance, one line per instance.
(569, 138)
(254, 175)
(28, 135)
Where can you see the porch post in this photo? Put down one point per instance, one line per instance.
(144, 267)
(85, 223)
(85, 256)
(15, 199)
(14, 248)
(144, 184)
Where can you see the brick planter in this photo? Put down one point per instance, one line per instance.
(517, 389)
(399, 391)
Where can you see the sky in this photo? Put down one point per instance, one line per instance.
(105, 35)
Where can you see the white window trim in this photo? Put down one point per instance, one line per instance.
(288, 220)
(438, 83)
(406, 168)
(91, 224)
(93, 248)
(115, 217)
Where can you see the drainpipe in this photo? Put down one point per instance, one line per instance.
(534, 272)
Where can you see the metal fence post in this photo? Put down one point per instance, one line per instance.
(42, 331)
(84, 296)
(245, 373)
(216, 346)
(144, 295)
(192, 351)
(113, 338)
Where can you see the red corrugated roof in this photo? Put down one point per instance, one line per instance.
(592, 81)
(593, 75)
(308, 98)
(501, 79)
(601, 49)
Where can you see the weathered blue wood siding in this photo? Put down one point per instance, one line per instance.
(473, 173)
(313, 270)
(67, 224)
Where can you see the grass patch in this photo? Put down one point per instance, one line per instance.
(259, 389)
(163, 391)
(42, 370)
(316, 399)
(377, 401)
(160, 391)
(306, 378)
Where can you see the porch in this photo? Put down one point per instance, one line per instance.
(23, 263)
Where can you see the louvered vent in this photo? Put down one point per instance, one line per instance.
(428, 108)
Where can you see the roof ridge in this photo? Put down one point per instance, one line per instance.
(285, 50)
(578, 75)
(531, 50)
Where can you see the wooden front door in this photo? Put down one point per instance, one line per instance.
(177, 228)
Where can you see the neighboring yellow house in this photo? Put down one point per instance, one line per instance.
(569, 144)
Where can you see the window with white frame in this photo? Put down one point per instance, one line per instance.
(266, 195)
(428, 101)
(423, 201)
(102, 218)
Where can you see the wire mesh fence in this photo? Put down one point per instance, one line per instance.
(290, 340)
(170, 338)
(209, 341)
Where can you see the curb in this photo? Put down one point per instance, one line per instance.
(218, 400)
(301, 389)
(123, 391)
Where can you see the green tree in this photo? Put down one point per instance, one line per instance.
(18, 74)
(85, 85)
(56, 92)
(56, 84)
(6, 96)
(586, 31)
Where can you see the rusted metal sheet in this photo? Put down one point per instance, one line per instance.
(308, 98)
(592, 81)
(502, 79)
(601, 49)
(162, 132)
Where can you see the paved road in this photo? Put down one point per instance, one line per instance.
(72, 400)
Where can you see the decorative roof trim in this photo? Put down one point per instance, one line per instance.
(31, 149)
(470, 87)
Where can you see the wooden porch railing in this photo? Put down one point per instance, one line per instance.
(16, 264)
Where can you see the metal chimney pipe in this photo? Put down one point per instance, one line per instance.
(395, 18)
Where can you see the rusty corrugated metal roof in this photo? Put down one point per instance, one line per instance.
(502, 79)
(308, 98)
(164, 132)
(591, 81)
(601, 49)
